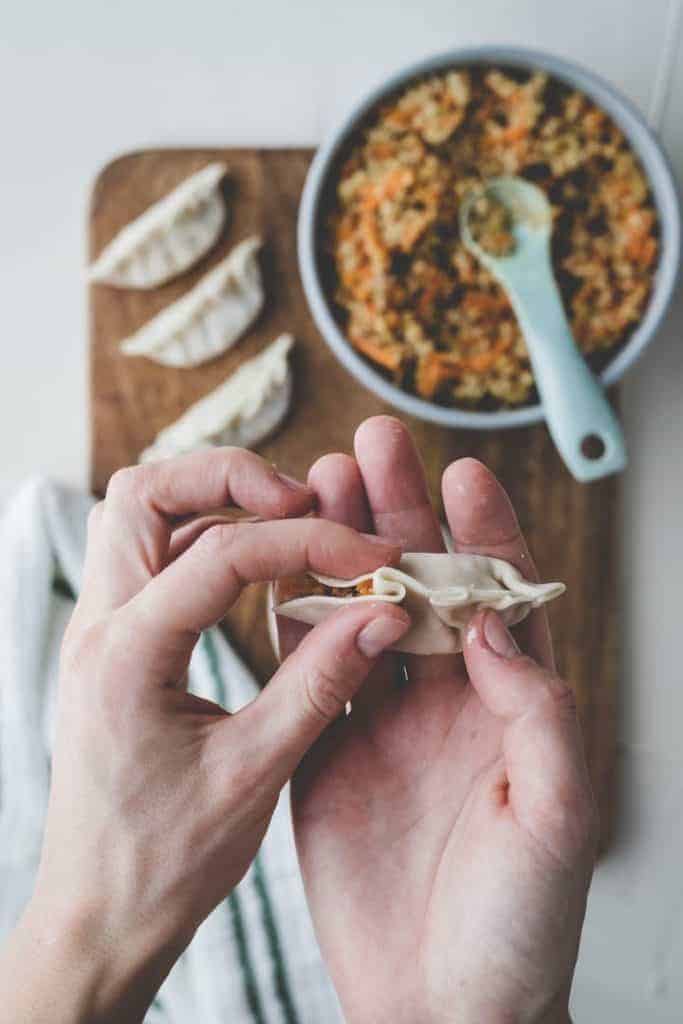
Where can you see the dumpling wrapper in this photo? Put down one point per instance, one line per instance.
(243, 410)
(210, 318)
(440, 592)
(169, 237)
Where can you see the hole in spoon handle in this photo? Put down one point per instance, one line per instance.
(593, 447)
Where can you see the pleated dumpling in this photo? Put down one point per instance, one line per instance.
(243, 410)
(441, 593)
(210, 318)
(169, 237)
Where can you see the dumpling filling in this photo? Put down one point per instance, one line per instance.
(293, 587)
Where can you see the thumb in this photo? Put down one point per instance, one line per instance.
(549, 789)
(312, 686)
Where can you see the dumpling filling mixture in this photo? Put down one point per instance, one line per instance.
(408, 294)
(306, 586)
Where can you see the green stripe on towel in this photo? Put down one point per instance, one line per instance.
(284, 995)
(281, 985)
(248, 976)
(251, 991)
(62, 587)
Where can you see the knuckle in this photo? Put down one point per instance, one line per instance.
(81, 648)
(98, 669)
(219, 538)
(95, 517)
(323, 693)
(100, 649)
(324, 538)
(126, 483)
(236, 462)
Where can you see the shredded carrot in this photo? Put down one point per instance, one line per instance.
(434, 369)
(370, 236)
(345, 229)
(484, 361)
(481, 302)
(381, 151)
(388, 356)
(515, 132)
(388, 187)
(648, 252)
(642, 249)
(394, 183)
(427, 297)
(412, 232)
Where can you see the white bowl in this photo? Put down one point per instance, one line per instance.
(642, 141)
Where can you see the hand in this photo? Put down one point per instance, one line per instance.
(160, 799)
(446, 828)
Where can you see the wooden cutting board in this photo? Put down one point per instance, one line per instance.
(572, 528)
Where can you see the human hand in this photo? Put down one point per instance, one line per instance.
(446, 828)
(160, 799)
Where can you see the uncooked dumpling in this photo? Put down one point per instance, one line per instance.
(242, 411)
(440, 592)
(208, 319)
(169, 237)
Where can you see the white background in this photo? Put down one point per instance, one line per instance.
(80, 82)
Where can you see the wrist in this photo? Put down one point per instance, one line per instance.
(555, 1013)
(72, 968)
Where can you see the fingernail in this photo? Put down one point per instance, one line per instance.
(292, 484)
(498, 637)
(379, 634)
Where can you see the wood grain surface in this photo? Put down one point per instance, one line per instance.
(571, 528)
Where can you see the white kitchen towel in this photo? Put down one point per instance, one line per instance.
(255, 960)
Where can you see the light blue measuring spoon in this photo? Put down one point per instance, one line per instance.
(581, 421)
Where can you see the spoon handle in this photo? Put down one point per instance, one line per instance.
(576, 409)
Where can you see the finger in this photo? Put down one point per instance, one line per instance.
(144, 503)
(548, 786)
(396, 486)
(483, 521)
(337, 483)
(311, 688)
(196, 590)
(401, 509)
(340, 497)
(189, 531)
(340, 494)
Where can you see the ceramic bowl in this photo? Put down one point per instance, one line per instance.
(320, 180)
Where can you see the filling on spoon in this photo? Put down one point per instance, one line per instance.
(490, 223)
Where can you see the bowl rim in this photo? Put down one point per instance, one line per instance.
(641, 138)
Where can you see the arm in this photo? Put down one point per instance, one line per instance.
(158, 803)
(463, 827)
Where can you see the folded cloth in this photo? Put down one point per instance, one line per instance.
(255, 959)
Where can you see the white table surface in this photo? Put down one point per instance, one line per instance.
(82, 82)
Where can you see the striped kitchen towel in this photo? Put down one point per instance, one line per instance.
(255, 959)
